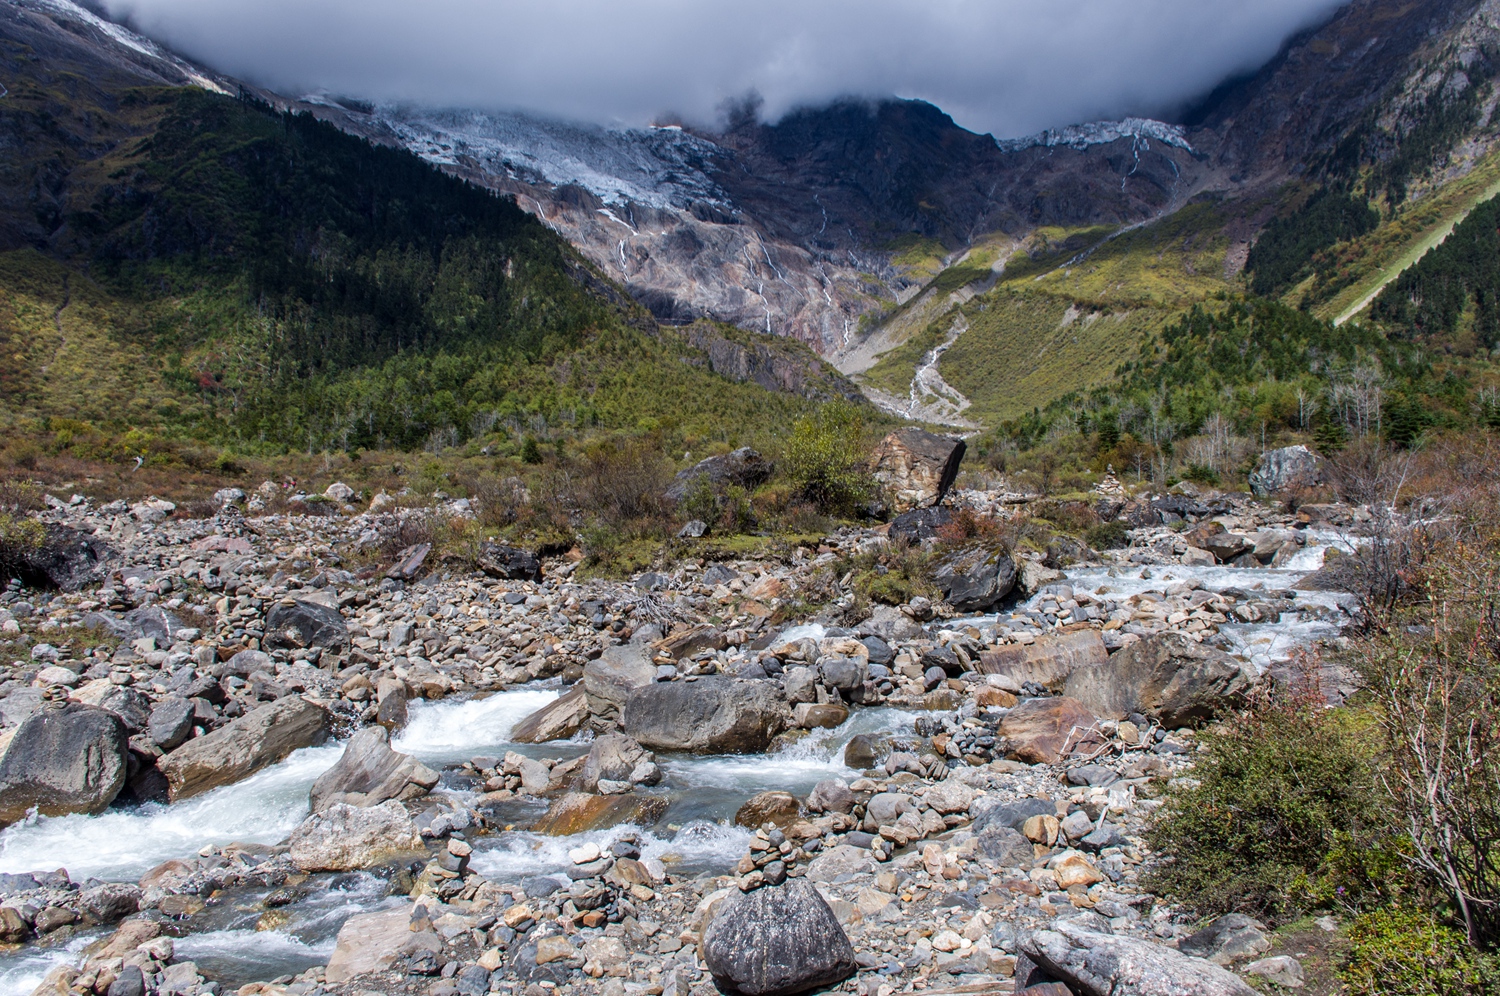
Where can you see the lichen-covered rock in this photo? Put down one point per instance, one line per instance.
(917, 467)
(1091, 963)
(1285, 469)
(776, 941)
(345, 838)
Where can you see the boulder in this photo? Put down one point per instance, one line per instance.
(776, 941)
(580, 812)
(391, 696)
(1168, 677)
(367, 943)
(919, 524)
(743, 468)
(295, 624)
(713, 715)
(1227, 546)
(1228, 939)
(244, 746)
(369, 772)
(1094, 963)
(171, 722)
(831, 795)
(63, 759)
(612, 757)
(409, 561)
(557, 720)
(780, 808)
(619, 671)
(917, 467)
(1048, 661)
(133, 708)
(1286, 469)
(1044, 731)
(508, 562)
(976, 579)
(345, 838)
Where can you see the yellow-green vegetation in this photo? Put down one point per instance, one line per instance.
(1349, 275)
(1022, 349)
(919, 257)
(1168, 262)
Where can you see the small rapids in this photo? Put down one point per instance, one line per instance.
(234, 945)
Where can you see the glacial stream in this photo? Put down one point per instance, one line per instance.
(693, 836)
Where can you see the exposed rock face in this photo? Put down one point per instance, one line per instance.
(305, 624)
(713, 715)
(1048, 661)
(346, 838)
(369, 772)
(243, 747)
(557, 720)
(776, 942)
(917, 467)
(68, 759)
(580, 812)
(1048, 730)
(1286, 469)
(1169, 677)
(1100, 964)
(369, 942)
(508, 562)
(787, 368)
(744, 467)
(976, 580)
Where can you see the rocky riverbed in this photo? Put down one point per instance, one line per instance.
(236, 760)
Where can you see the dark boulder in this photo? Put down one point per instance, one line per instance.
(64, 759)
(171, 723)
(919, 524)
(743, 468)
(508, 562)
(301, 624)
(975, 580)
(776, 941)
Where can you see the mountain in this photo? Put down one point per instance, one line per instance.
(180, 259)
(963, 279)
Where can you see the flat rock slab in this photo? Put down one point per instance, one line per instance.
(241, 748)
(580, 812)
(1048, 661)
(1044, 731)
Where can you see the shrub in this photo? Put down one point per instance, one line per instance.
(1276, 785)
(825, 459)
(1108, 536)
(1404, 951)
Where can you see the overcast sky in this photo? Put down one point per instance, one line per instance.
(1009, 67)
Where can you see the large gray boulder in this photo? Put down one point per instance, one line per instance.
(1168, 677)
(369, 772)
(1285, 469)
(345, 838)
(295, 624)
(713, 715)
(619, 671)
(777, 941)
(975, 580)
(1094, 963)
(64, 759)
(917, 467)
(241, 748)
(369, 942)
(744, 467)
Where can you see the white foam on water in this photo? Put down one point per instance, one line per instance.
(807, 631)
(22, 972)
(513, 856)
(120, 845)
(456, 731)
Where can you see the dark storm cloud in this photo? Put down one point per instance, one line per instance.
(1010, 67)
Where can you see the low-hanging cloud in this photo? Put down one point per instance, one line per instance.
(1009, 67)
